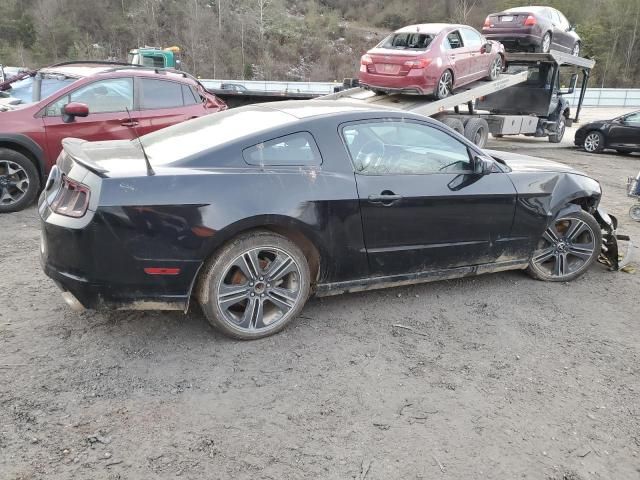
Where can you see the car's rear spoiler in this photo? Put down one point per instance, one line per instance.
(73, 148)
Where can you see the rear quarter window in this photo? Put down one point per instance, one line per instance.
(297, 149)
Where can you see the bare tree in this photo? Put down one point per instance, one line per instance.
(463, 9)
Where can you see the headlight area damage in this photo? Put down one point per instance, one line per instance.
(610, 255)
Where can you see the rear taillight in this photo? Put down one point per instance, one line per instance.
(72, 199)
(418, 63)
(366, 60)
(531, 20)
(487, 22)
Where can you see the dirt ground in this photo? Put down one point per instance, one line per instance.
(501, 377)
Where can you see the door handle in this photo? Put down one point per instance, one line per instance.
(386, 198)
(129, 122)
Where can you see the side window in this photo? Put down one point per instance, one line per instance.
(633, 119)
(404, 148)
(160, 94)
(454, 40)
(555, 18)
(297, 149)
(187, 96)
(196, 94)
(113, 95)
(563, 21)
(471, 38)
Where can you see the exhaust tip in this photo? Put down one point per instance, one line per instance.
(73, 302)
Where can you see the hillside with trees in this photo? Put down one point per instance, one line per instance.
(282, 39)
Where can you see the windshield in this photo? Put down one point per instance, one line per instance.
(23, 89)
(195, 136)
(407, 40)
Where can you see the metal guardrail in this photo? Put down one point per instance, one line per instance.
(607, 97)
(595, 97)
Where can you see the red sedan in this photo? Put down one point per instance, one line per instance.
(430, 59)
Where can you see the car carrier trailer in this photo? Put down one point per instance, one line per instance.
(526, 99)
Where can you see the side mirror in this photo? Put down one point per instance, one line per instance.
(74, 109)
(572, 28)
(482, 165)
(487, 47)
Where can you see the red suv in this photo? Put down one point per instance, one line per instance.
(92, 101)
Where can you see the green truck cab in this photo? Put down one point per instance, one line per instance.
(155, 57)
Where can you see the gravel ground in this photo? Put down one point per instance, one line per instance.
(499, 377)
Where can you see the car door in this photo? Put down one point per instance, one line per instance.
(625, 132)
(478, 60)
(560, 32)
(459, 57)
(422, 207)
(162, 103)
(108, 101)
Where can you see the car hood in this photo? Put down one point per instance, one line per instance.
(525, 163)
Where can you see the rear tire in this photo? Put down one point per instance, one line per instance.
(444, 87)
(477, 131)
(19, 181)
(593, 142)
(254, 286)
(567, 248)
(545, 43)
(455, 124)
(634, 213)
(495, 68)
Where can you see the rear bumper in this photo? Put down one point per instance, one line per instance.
(96, 270)
(416, 82)
(515, 39)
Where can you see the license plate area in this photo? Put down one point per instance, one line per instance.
(506, 18)
(388, 68)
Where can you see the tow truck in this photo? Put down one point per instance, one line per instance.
(527, 98)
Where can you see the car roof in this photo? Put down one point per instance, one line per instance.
(302, 109)
(431, 28)
(87, 69)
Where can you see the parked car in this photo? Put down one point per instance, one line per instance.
(430, 59)
(540, 29)
(621, 134)
(251, 210)
(93, 101)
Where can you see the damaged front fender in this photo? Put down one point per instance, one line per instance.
(610, 255)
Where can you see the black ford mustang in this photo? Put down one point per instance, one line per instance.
(250, 211)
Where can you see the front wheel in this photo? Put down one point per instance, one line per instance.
(593, 142)
(561, 126)
(568, 247)
(634, 213)
(255, 285)
(575, 51)
(19, 181)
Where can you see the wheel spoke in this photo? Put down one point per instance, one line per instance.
(7, 197)
(252, 263)
(561, 268)
(576, 229)
(544, 255)
(280, 267)
(252, 318)
(582, 253)
(282, 298)
(230, 295)
(550, 235)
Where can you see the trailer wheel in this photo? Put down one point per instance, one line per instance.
(454, 124)
(477, 131)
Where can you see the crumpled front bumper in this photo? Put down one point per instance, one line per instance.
(611, 239)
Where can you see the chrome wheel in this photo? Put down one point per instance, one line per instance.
(496, 68)
(445, 84)
(566, 249)
(546, 43)
(259, 289)
(592, 142)
(14, 182)
(634, 213)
